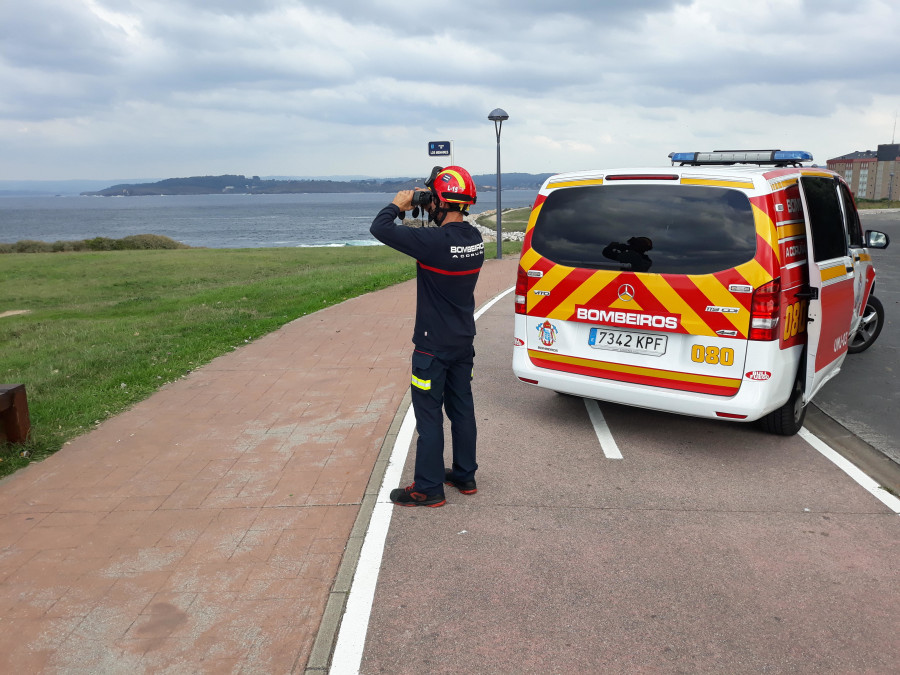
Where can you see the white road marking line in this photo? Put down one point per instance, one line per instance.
(852, 470)
(604, 435)
(351, 641)
(493, 301)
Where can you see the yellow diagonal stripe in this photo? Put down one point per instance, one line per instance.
(529, 259)
(585, 291)
(755, 274)
(532, 219)
(766, 229)
(551, 277)
(718, 295)
(675, 304)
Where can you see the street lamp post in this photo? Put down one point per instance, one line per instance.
(497, 116)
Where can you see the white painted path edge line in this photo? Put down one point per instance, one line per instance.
(493, 301)
(351, 641)
(852, 470)
(601, 428)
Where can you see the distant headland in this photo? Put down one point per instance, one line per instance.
(234, 184)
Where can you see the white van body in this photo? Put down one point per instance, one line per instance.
(713, 289)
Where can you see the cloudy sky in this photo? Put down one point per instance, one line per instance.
(106, 89)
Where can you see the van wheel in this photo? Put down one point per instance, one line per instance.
(869, 326)
(788, 419)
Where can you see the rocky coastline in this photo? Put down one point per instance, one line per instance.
(487, 233)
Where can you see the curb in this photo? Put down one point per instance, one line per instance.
(874, 463)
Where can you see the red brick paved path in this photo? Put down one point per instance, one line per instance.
(201, 530)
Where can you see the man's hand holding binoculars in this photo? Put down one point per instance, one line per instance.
(407, 199)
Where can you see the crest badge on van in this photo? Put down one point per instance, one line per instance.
(547, 332)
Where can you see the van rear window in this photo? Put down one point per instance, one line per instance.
(667, 229)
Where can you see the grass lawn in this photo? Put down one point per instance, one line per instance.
(513, 220)
(879, 204)
(105, 330)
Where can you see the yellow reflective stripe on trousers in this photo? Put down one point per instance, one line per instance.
(421, 384)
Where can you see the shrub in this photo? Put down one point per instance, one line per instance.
(101, 244)
(29, 246)
(150, 242)
(135, 242)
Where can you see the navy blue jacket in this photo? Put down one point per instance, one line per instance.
(448, 261)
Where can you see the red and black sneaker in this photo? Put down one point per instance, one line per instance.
(409, 497)
(467, 487)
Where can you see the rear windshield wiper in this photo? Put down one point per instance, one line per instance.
(596, 264)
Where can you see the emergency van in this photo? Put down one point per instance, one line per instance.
(730, 285)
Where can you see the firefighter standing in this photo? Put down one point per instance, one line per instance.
(449, 258)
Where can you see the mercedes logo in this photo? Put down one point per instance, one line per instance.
(626, 292)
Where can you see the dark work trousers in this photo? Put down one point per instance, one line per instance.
(443, 380)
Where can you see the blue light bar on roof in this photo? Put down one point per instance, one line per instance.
(775, 157)
(792, 156)
(683, 156)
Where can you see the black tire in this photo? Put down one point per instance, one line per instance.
(788, 419)
(869, 327)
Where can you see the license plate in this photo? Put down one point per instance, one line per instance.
(626, 341)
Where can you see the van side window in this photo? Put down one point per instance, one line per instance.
(851, 218)
(825, 218)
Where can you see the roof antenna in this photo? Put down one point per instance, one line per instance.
(894, 132)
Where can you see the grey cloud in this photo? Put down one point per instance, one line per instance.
(479, 16)
(359, 66)
(589, 50)
(55, 36)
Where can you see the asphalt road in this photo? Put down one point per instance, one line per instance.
(865, 395)
(699, 547)
(691, 546)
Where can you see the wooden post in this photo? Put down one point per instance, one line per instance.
(15, 424)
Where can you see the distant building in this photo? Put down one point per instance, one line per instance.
(872, 174)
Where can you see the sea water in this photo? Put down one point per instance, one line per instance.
(212, 221)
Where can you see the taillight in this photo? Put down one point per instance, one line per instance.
(765, 309)
(521, 290)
